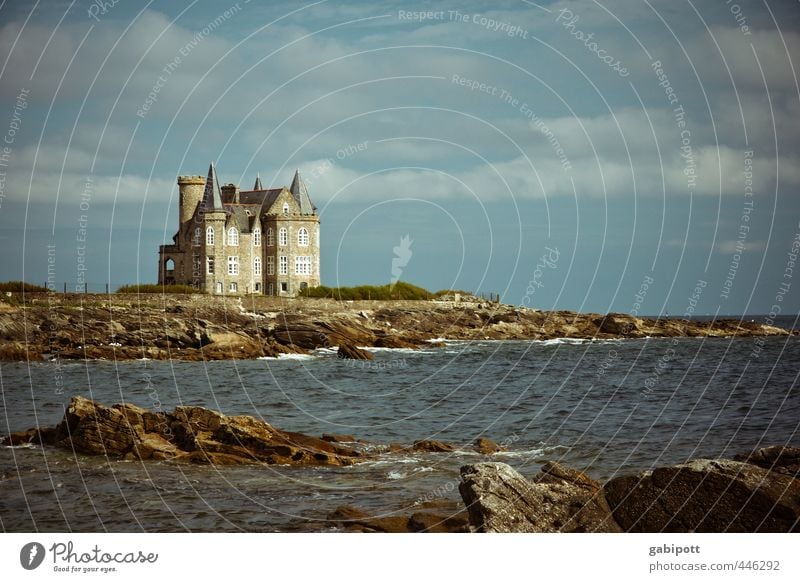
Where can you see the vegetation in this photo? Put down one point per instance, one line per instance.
(157, 289)
(20, 286)
(399, 290)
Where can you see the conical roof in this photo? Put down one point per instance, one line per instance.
(212, 199)
(258, 185)
(300, 193)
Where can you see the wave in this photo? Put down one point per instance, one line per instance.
(569, 341)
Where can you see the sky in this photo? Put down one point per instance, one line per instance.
(636, 157)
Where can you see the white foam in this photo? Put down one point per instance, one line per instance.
(562, 341)
(396, 350)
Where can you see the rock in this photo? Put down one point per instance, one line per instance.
(339, 438)
(426, 522)
(396, 342)
(431, 446)
(190, 434)
(353, 519)
(487, 446)
(618, 324)
(499, 499)
(778, 458)
(706, 496)
(350, 352)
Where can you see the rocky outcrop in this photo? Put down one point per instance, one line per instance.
(351, 352)
(778, 458)
(432, 446)
(205, 327)
(706, 495)
(486, 446)
(499, 499)
(619, 324)
(189, 434)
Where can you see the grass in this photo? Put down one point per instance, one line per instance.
(20, 286)
(185, 289)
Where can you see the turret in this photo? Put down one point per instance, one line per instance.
(190, 190)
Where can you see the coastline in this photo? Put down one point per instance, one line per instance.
(200, 327)
(755, 491)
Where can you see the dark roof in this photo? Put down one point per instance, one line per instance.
(241, 215)
(212, 199)
(258, 185)
(300, 193)
(262, 197)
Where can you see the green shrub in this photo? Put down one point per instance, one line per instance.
(186, 289)
(399, 290)
(19, 286)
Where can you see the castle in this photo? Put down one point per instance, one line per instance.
(260, 241)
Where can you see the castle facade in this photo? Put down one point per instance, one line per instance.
(232, 242)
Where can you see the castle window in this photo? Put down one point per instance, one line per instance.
(197, 239)
(257, 266)
(258, 287)
(270, 290)
(210, 265)
(302, 265)
(233, 265)
(284, 287)
(233, 237)
(270, 266)
(218, 287)
(283, 237)
(210, 235)
(283, 269)
(233, 287)
(302, 237)
(270, 237)
(285, 208)
(257, 237)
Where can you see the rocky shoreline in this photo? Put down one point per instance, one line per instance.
(754, 492)
(44, 326)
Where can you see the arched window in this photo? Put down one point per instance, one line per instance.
(302, 237)
(257, 237)
(285, 208)
(233, 237)
(283, 237)
(257, 266)
(169, 266)
(270, 237)
(210, 235)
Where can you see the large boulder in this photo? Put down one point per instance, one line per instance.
(706, 496)
(189, 434)
(499, 499)
(778, 458)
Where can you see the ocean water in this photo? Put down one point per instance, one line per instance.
(607, 407)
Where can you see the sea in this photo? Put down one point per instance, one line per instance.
(608, 407)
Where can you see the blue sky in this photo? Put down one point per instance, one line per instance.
(636, 146)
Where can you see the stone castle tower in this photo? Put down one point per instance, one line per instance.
(232, 242)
